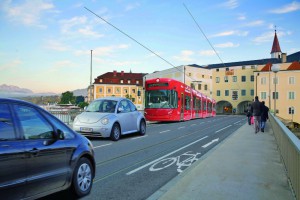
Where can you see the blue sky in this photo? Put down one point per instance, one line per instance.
(45, 45)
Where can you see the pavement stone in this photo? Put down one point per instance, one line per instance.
(244, 166)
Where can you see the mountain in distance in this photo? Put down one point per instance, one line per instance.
(11, 91)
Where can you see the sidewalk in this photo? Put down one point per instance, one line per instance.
(244, 166)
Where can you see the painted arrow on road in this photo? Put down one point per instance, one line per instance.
(213, 141)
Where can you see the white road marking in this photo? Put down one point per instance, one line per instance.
(165, 131)
(181, 127)
(154, 161)
(213, 141)
(237, 122)
(223, 129)
(102, 145)
(138, 137)
(193, 124)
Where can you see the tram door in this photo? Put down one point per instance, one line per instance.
(182, 107)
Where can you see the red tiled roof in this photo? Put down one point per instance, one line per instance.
(276, 46)
(294, 66)
(267, 67)
(115, 77)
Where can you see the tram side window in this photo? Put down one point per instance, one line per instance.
(187, 102)
(204, 105)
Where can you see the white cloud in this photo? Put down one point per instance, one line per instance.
(227, 45)
(229, 33)
(61, 66)
(185, 56)
(11, 65)
(294, 6)
(103, 51)
(132, 6)
(241, 17)
(255, 23)
(55, 45)
(267, 37)
(208, 53)
(230, 4)
(28, 13)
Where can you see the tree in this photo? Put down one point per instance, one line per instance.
(67, 97)
(79, 99)
(83, 104)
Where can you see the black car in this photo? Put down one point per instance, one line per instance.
(40, 155)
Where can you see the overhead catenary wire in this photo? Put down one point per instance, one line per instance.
(165, 60)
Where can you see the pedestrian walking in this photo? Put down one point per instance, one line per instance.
(264, 116)
(249, 114)
(256, 108)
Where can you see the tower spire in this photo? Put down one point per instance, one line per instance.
(276, 51)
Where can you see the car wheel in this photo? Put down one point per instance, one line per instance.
(82, 177)
(142, 127)
(115, 132)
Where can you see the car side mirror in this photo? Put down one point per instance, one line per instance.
(120, 109)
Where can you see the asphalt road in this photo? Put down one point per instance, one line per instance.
(137, 166)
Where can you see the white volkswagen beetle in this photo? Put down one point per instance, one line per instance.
(110, 117)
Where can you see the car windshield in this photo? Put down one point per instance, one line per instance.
(161, 99)
(105, 106)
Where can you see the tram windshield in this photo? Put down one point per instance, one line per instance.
(161, 99)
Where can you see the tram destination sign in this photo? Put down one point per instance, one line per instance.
(158, 85)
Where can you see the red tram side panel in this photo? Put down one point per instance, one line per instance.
(170, 100)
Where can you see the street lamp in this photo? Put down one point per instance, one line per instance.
(292, 112)
(275, 69)
(256, 84)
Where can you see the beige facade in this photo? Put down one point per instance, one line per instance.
(127, 91)
(287, 89)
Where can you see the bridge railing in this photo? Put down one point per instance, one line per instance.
(66, 116)
(289, 146)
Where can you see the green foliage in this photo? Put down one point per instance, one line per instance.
(67, 97)
(83, 104)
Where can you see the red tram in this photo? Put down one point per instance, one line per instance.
(170, 100)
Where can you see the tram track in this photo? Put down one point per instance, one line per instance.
(156, 145)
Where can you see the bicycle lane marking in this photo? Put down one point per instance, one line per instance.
(154, 161)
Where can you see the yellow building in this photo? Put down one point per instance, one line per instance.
(280, 90)
(120, 84)
(234, 85)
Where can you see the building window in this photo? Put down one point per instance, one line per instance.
(217, 70)
(252, 78)
(108, 90)
(243, 67)
(205, 87)
(291, 80)
(137, 82)
(252, 67)
(118, 90)
(210, 77)
(125, 91)
(121, 81)
(217, 79)
(291, 95)
(234, 79)
(252, 92)
(227, 69)
(225, 79)
(226, 92)
(263, 95)
(199, 86)
(218, 93)
(133, 91)
(243, 78)
(291, 110)
(263, 80)
(129, 81)
(275, 95)
(190, 74)
(100, 90)
(243, 92)
(202, 76)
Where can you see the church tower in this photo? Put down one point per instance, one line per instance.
(276, 51)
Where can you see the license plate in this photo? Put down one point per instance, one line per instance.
(87, 130)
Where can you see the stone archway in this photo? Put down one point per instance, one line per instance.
(242, 107)
(224, 107)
